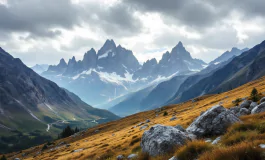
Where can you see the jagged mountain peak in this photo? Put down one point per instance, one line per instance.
(90, 59)
(62, 62)
(228, 54)
(108, 46)
(179, 51)
(92, 50)
(234, 49)
(180, 44)
(109, 43)
(152, 61)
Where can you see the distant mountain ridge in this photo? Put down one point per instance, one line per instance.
(244, 68)
(170, 91)
(114, 71)
(228, 54)
(40, 68)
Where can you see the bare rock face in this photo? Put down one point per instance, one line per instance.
(214, 121)
(161, 139)
(259, 108)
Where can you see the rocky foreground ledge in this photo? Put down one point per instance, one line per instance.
(159, 139)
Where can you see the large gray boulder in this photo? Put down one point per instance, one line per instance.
(259, 108)
(253, 105)
(213, 122)
(242, 112)
(245, 104)
(120, 157)
(161, 139)
(132, 156)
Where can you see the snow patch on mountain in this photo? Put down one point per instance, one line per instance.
(105, 54)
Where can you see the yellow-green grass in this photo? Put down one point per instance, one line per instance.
(119, 134)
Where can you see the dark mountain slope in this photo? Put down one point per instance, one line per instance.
(27, 98)
(242, 69)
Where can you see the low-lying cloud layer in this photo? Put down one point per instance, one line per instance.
(36, 30)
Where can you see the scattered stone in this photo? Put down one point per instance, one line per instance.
(147, 121)
(214, 121)
(252, 105)
(173, 118)
(96, 131)
(132, 156)
(78, 150)
(259, 108)
(144, 127)
(208, 140)
(179, 127)
(262, 100)
(242, 112)
(245, 104)
(173, 158)
(120, 157)
(216, 140)
(161, 139)
(16, 159)
(262, 146)
(61, 143)
(140, 124)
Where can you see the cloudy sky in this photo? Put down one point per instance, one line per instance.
(43, 31)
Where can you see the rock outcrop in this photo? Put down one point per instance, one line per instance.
(245, 104)
(242, 112)
(213, 122)
(161, 139)
(253, 105)
(259, 108)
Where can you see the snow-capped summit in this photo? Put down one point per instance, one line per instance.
(114, 71)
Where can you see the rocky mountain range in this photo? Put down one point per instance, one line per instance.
(169, 90)
(114, 71)
(30, 102)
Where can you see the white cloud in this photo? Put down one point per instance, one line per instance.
(148, 28)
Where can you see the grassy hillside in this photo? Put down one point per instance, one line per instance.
(111, 139)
